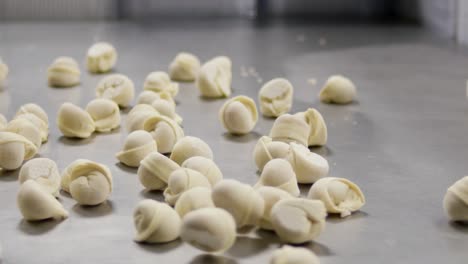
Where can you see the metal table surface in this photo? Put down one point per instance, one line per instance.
(403, 142)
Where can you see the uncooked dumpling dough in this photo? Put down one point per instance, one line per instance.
(298, 220)
(116, 87)
(193, 199)
(184, 67)
(214, 78)
(137, 116)
(156, 222)
(27, 129)
(64, 72)
(74, 121)
(160, 82)
(105, 113)
(279, 173)
(294, 255)
(266, 149)
(44, 171)
(456, 200)
(3, 122)
(239, 115)
(239, 199)
(165, 131)
(148, 97)
(37, 116)
(205, 166)
(36, 204)
(275, 97)
(338, 90)
(101, 57)
(154, 171)
(136, 147)
(14, 149)
(188, 147)
(88, 182)
(290, 128)
(167, 108)
(339, 195)
(318, 129)
(182, 180)
(271, 196)
(209, 229)
(3, 74)
(308, 166)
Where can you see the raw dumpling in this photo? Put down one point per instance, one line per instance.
(275, 97)
(156, 222)
(184, 67)
(214, 78)
(239, 115)
(290, 128)
(205, 166)
(137, 116)
(165, 131)
(27, 129)
(101, 57)
(105, 113)
(44, 171)
(308, 166)
(271, 196)
(340, 196)
(37, 116)
(318, 129)
(14, 149)
(36, 204)
(279, 173)
(137, 146)
(188, 147)
(338, 90)
(74, 121)
(154, 171)
(116, 87)
(456, 200)
(266, 149)
(148, 97)
(64, 72)
(88, 182)
(160, 82)
(194, 199)
(167, 108)
(182, 180)
(294, 255)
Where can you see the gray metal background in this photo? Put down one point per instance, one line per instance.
(403, 141)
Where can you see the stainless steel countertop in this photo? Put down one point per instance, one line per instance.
(404, 141)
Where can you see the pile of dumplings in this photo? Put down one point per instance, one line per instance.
(201, 207)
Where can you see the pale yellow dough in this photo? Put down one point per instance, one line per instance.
(156, 222)
(165, 131)
(294, 255)
(275, 97)
(290, 128)
(116, 87)
(271, 196)
(138, 115)
(298, 220)
(148, 97)
(63, 72)
(101, 57)
(239, 199)
(137, 146)
(193, 199)
(209, 229)
(266, 149)
(37, 116)
(456, 201)
(318, 134)
(188, 147)
(88, 182)
(14, 149)
(184, 67)
(182, 180)
(154, 171)
(278, 173)
(167, 108)
(44, 171)
(215, 77)
(239, 115)
(339, 195)
(338, 90)
(105, 113)
(74, 121)
(308, 166)
(205, 166)
(160, 82)
(36, 204)
(27, 129)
